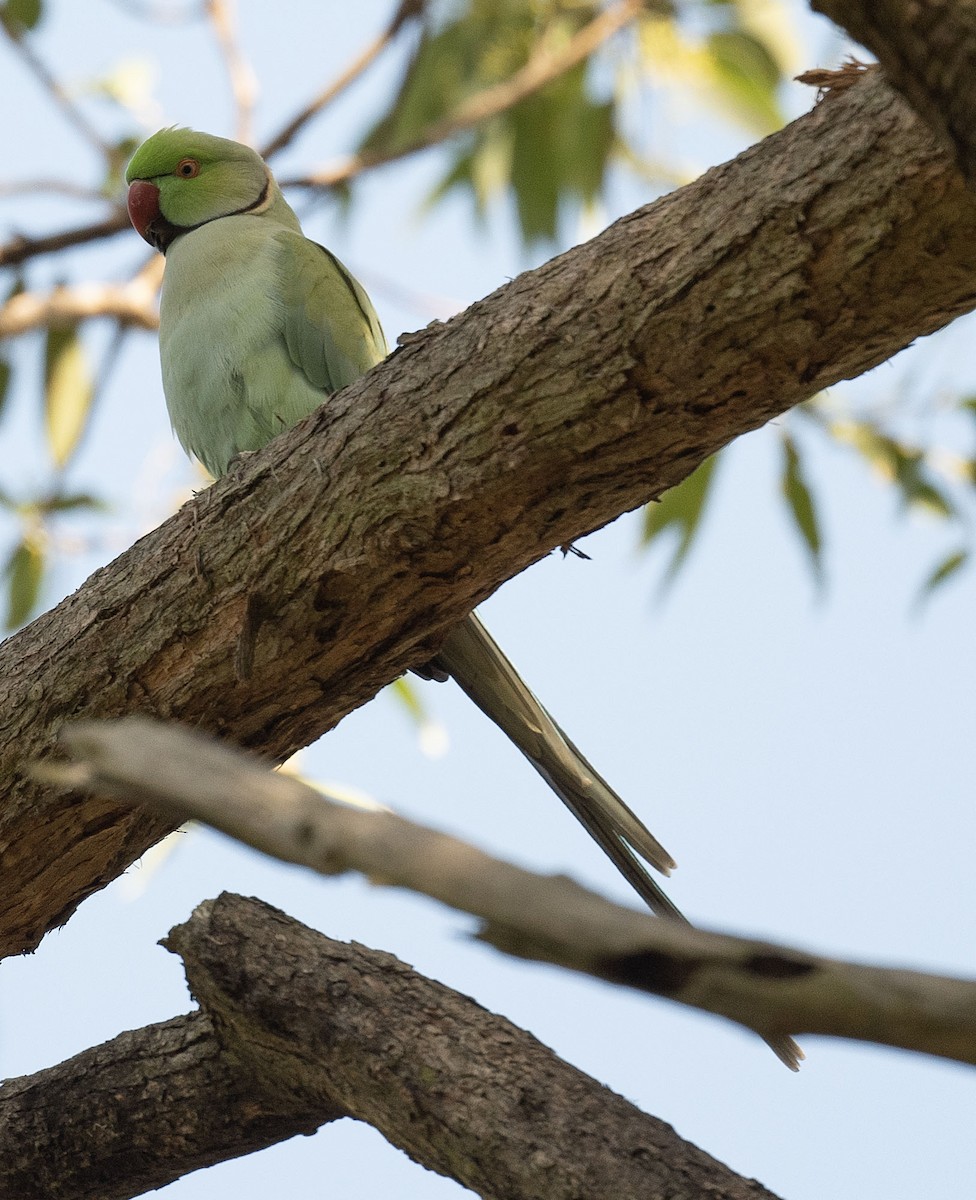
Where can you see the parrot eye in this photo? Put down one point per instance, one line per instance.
(187, 168)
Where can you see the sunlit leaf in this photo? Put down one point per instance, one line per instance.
(24, 572)
(431, 734)
(801, 504)
(681, 509)
(903, 465)
(68, 392)
(733, 70)
(408, 696)
(748, 76)
(946, 569)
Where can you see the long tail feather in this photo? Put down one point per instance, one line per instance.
(475, 661)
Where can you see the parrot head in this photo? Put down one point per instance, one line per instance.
(180, 179)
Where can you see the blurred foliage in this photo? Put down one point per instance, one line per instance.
(24, 572)
(551, 152)
(680, 511)
(922, 479)
(20, 16)
(800, 503)
(545, 156)
(69, 388)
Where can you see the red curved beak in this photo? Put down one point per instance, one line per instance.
(142, 202)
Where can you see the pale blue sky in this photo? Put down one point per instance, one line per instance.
(808, 763)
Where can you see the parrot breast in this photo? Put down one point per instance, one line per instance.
(229, 382)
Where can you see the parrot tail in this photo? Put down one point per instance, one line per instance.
(474, 660)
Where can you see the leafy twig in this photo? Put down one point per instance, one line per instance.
(366, 57)
(542, 68)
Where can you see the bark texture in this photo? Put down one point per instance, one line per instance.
(460, 1090)
(288, 593)
(295, 1030)
(927, 49)
(136, 1113)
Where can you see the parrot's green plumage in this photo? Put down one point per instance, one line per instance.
(258, 325)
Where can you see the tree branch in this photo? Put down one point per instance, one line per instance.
(138, 1112)
(928, 51)
(296, 1030)
(319, 569)
(772, 990)
(131, 303)
(21, 247)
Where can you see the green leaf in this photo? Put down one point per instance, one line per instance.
(408, 696)
(4, 382)
(681, 508)
(552, 147)
(801, 504)
(563, 142)
(903, 465)
(68, 392)
(949, 566)
(747, 76)
(70, 503)
(24, 572)
(19, 16)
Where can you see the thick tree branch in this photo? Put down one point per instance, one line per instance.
(296, 1030)
(773, 990)
(928, 51)
(138, 1112)
(290, 591)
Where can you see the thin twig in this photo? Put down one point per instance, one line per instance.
(59, 187)
(21, 247)
(769, 988)
(243, 82)
(171, 14)
(541, 69)
(59, 96)
(366, 57)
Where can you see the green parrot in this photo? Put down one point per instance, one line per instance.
(258, 325)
